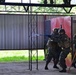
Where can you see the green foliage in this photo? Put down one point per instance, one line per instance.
(20, 55)
(20, 59)
(48, 9)
(53, 10)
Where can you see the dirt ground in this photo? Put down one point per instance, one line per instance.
(22, 68)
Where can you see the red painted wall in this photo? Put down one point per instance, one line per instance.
(64, 21)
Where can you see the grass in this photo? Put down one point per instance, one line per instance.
(20, 55)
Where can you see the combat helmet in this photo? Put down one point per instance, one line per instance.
(61, 31)
(55, 30)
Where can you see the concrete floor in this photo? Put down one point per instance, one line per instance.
(21, 68)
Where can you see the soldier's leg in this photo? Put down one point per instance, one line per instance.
(65, 1)
(45, 53)
(74, 64)
(57, 54)
(55, 63)
(56, 60)
(49, 57)
(45, 1)
(51, 2)
(62, 60)
(69, 1)
(74, 61)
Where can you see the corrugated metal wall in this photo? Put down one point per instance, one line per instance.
(14, 31)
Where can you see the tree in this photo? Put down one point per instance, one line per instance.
(54, 10)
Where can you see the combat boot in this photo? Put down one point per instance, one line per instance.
(64, 70)
(46, 68)
(56, 67)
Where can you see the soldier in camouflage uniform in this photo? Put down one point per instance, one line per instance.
(67, 2)
(51, 2)
(64, 43)
(74, 52)
(75, 41)
(53, 49)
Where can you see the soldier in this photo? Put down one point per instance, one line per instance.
(51, 2)
(64, 43)
(45, 1)
(74, 62)
(67, 2)
(75, 41)
(53, 49)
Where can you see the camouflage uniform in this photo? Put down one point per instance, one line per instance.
(53, 50)
(67, 1)
(74, 52)
(75, 41)
(51, 2)
(65, 45)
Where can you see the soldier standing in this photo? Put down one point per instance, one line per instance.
(53, 50)
(65, 45)
(51, 2)
(74, 53)
(75, 41)
(67, 2)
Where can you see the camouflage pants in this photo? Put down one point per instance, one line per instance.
(63, 55)
(53, 54)
(67, 1)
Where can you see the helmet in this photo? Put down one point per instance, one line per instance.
(62, 31)
(55, 30)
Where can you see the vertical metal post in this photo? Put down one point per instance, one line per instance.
(44, 39)
(5, 8)
(37, 41)
(21, 1)
(33, 40)
(72, 34)
(30, 39)
(30, 36)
